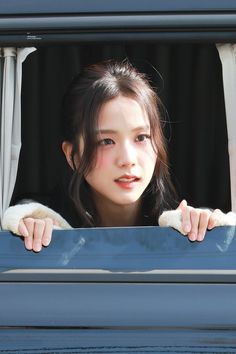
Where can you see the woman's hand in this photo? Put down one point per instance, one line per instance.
(36, 232)
(34, 222)
(195, 222)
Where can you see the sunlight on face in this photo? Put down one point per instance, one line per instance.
(125, 159)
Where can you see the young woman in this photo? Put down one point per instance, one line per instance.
(115, 148)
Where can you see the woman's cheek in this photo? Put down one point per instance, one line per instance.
(103, 159)
(150, 154)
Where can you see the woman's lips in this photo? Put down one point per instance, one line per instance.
(127, 182)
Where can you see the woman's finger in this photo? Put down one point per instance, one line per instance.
(216, 214)
(183, 204)
(47, 235)
(28, 241)
(22, 229)
(203, 224)
(194, 220)
(186, 219)
(29, 224)
(39, 226)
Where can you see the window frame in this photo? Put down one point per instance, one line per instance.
(158, 307)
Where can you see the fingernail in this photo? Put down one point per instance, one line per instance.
(46, 242)
(192, 236)
(37, 247)
(200, 236)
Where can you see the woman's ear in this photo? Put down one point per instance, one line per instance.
(67, 149)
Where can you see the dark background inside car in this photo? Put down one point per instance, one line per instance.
(188, 78)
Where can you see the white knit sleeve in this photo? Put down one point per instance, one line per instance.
(173, 218)
(14, 214)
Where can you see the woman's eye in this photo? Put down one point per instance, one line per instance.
(142, 137)
(106, 142)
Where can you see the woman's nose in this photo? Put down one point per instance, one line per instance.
(127, 155)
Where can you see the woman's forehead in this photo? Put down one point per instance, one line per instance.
(121, 112)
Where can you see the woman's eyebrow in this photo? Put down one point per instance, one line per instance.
(106, 131)
(142, 127)
(112, 131)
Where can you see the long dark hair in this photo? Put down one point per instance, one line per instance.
(89, 90)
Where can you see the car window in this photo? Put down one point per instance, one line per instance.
(188, 38)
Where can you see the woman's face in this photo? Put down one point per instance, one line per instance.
(125, 159)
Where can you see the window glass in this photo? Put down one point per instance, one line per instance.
(138, 249)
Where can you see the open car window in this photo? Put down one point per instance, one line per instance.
(178, 40)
